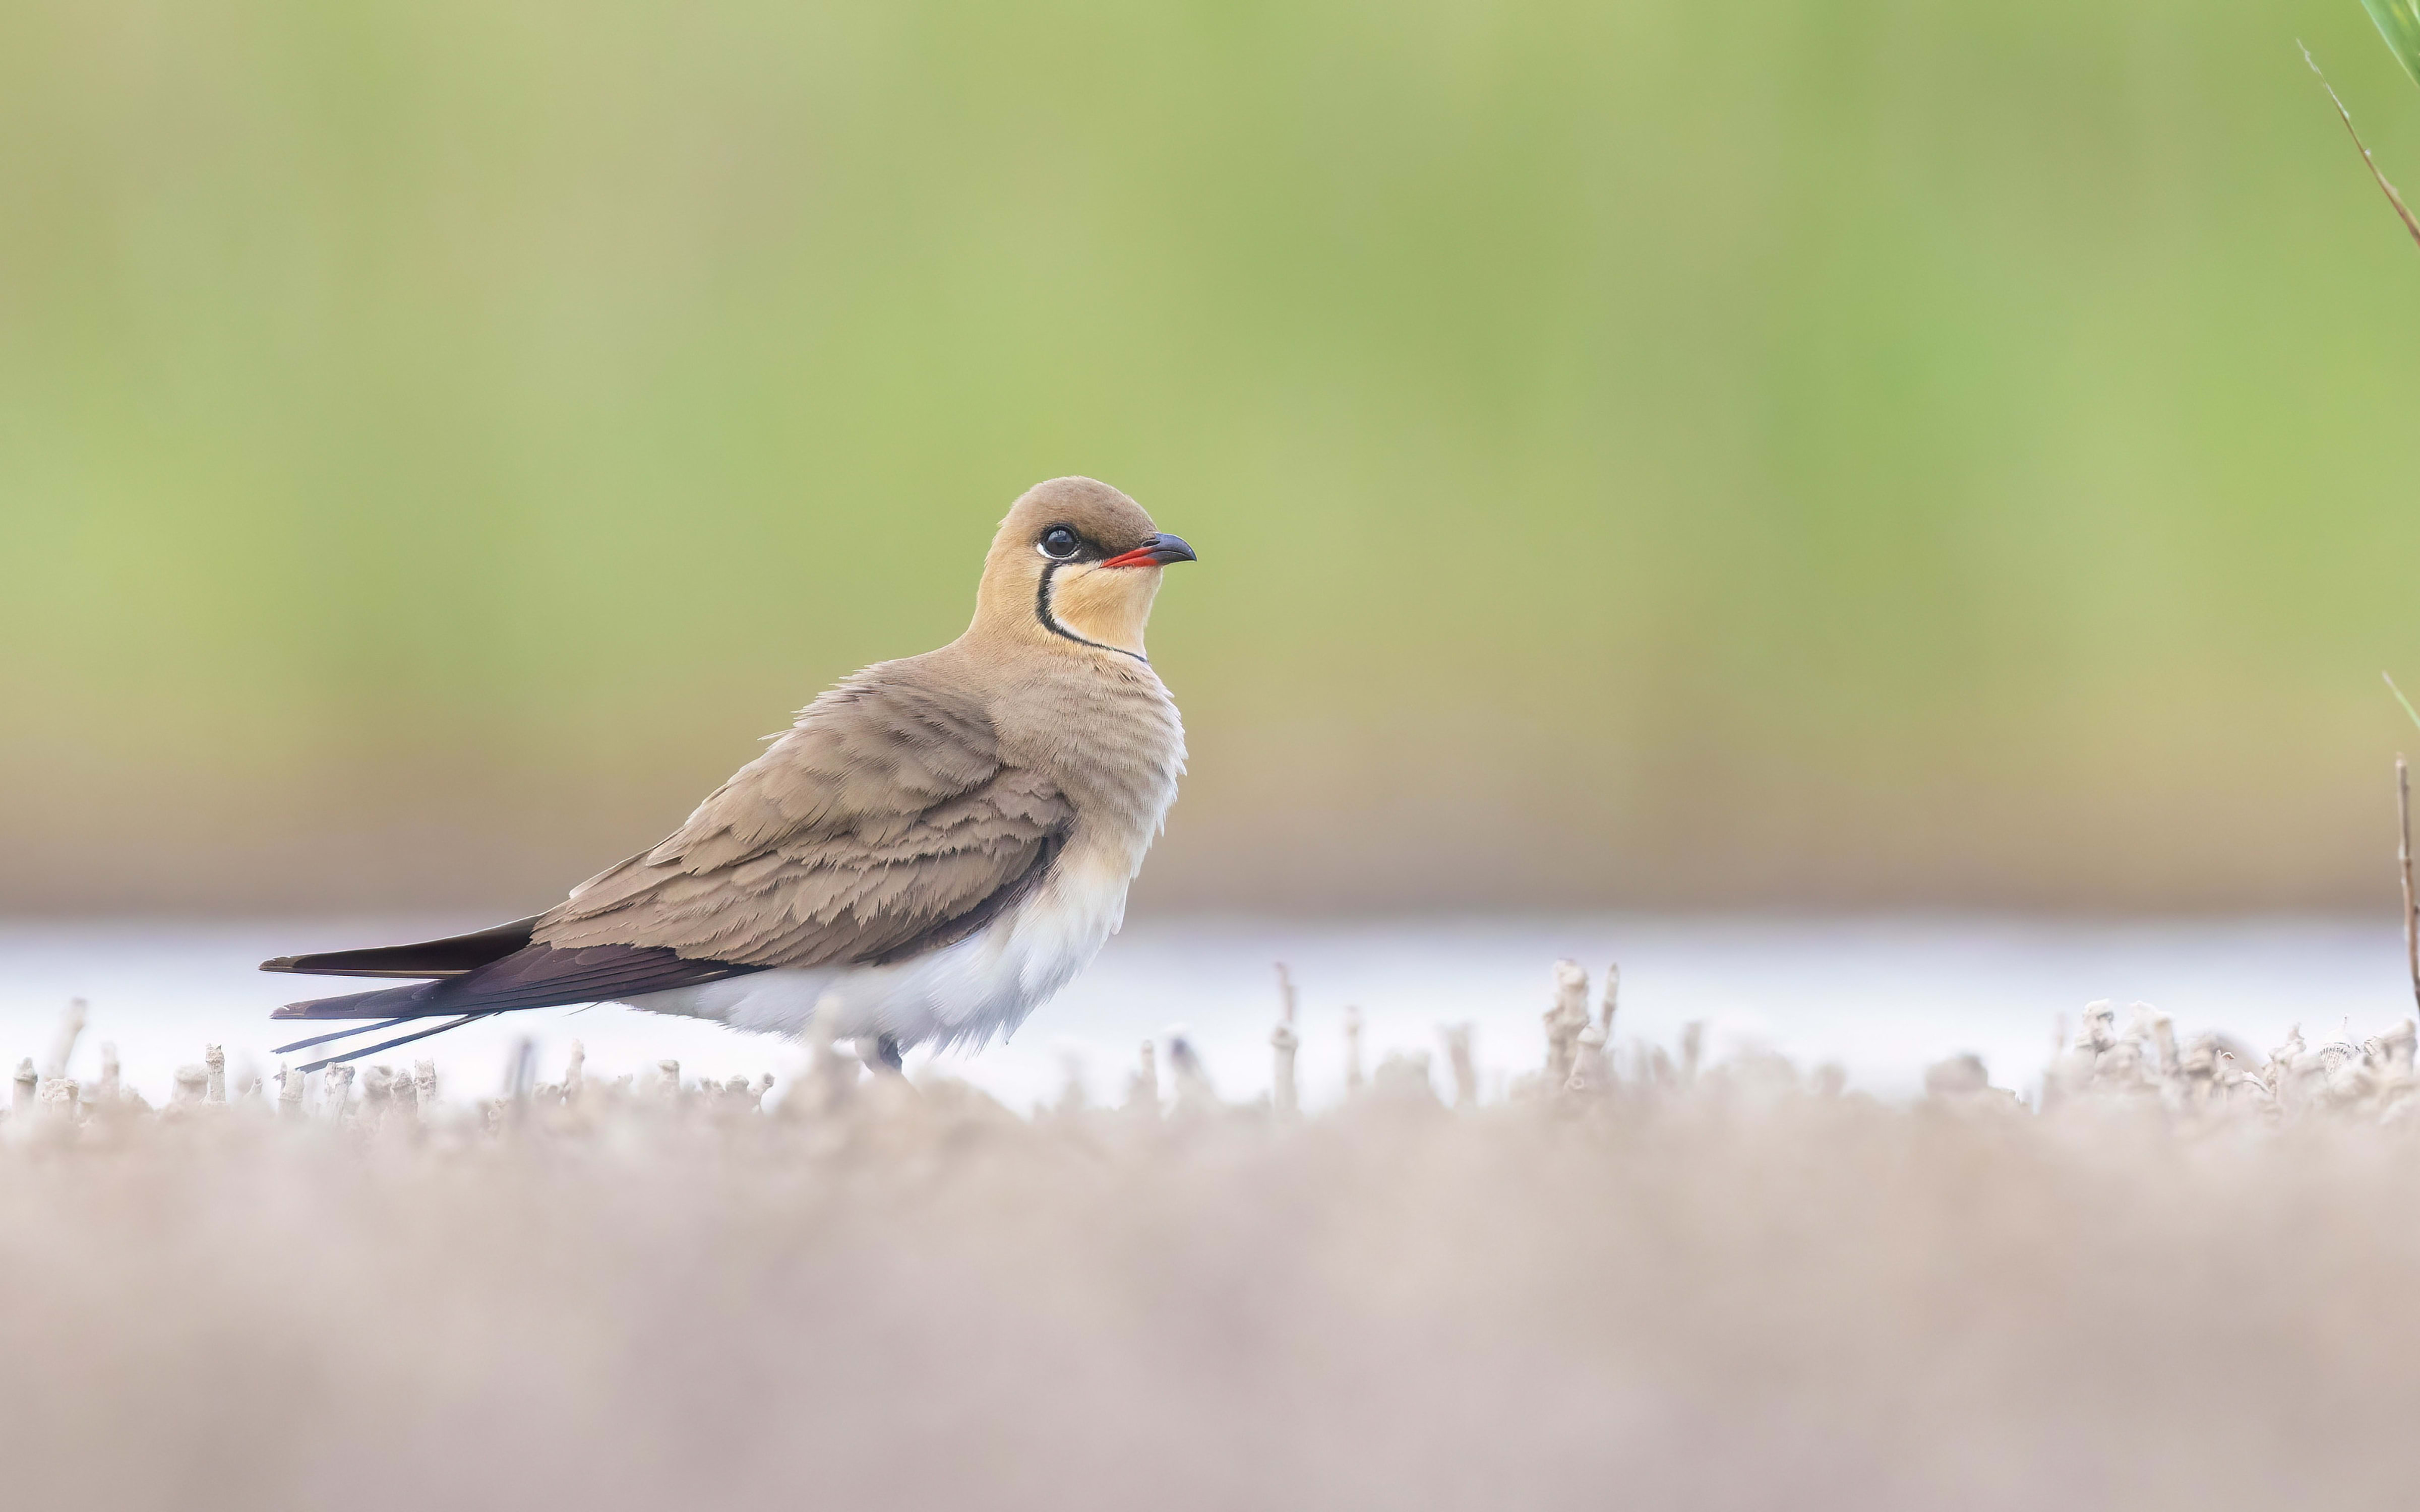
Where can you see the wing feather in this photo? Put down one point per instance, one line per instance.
(448, 957)
(885, 814)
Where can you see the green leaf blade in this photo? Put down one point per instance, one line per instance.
(2398, 22)
(2401, 698)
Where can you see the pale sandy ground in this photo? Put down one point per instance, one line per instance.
(2188, 1284)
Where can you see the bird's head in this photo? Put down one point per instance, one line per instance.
(1075, 564)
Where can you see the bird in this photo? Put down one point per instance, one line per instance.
(934, 849)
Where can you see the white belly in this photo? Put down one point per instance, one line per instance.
(962, 993)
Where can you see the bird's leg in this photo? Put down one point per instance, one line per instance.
(889, 1086)
(887, 1056)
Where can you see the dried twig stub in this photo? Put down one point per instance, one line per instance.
(1592, 1068)
(2161, 1032)
(403, 1099)
(21, 1100)
(1466, 1066)
(1959, 1077)
(1142, 1091)
(214, 1061)
(1352, 1052)
(574, 1077)
(1285, 1096)
(378, 1082)
(836, 1071)
(2100, 1028)
(63, 1045)
(289, 1092)
(336, 1093)
(733, 1097)
(1073, 1097)
(1402, 1081)
(1610, 1000)
(1564, 1020)
(62, 1099)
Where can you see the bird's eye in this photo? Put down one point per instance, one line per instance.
(1059, 543)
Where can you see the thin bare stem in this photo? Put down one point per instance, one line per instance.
(2411, 903)
(1284, 1095)
(2410, 223)
(63, 1045)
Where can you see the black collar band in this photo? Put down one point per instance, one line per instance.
(1042, 612)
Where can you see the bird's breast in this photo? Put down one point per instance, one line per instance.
(1112, 742)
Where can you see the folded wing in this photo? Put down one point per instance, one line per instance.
(884, 823)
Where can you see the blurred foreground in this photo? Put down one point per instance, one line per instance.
(2181, 1282)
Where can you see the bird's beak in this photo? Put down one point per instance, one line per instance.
(1156, 552)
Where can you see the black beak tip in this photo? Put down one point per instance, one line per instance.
(1168, 549)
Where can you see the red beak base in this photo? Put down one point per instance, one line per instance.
(1156, 552)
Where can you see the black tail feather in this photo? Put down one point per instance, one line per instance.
(389, 1044)
(415, 1001)
(339, 1034)
(539, 977)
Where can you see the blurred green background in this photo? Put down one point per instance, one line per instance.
(1823, 454)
